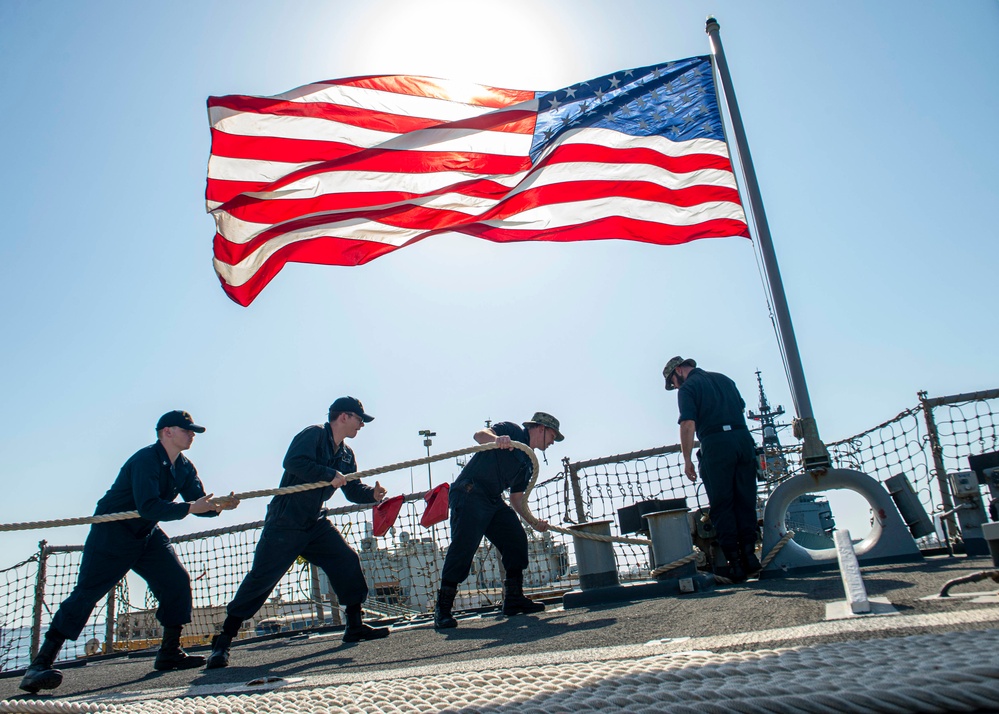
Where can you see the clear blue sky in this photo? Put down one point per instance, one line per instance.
(872, 127)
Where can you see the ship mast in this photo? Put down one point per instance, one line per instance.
(773, 466)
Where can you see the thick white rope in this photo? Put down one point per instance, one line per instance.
(776, 549)
(905, 675)
(532, 521)
(402, 465)
(973, 578)
(262, 493)
(690, 558)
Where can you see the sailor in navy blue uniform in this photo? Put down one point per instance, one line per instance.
(712, 408)
(296, 525)
(148, 483)
(478, 509)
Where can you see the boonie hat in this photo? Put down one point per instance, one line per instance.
(542, 419)
(671, 367)
(179, 418)
(351, 405)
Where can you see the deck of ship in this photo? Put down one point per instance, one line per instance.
(416, 666)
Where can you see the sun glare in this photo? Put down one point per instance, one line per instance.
(493, 43)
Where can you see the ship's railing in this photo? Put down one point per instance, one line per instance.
(402, 568)
(802, 527)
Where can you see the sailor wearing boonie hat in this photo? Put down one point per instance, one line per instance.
(478, 509)
(712, 408)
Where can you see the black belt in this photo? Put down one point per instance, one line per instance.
(724, 427)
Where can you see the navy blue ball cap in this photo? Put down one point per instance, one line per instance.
(351, 405)
(179, 418)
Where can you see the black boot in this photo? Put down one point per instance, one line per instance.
(357, 630)
(733, 572)
(443, 618)
(514, 600)
(40, 674)
(172, 656)
(220, 652)
(750, 563)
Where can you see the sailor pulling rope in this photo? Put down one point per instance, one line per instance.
(223, 501)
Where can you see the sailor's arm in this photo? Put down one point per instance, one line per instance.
(488, 436)
(687, 428)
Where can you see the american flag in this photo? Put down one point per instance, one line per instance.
(343, 171)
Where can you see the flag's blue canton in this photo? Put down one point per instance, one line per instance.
(676, 100)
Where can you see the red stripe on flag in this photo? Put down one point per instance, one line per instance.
(686, 163)
(222, 190)
(277, 148)
(615, 228)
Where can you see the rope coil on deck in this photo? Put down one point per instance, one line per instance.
(973, 578)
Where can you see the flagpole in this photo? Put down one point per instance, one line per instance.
(814, 453)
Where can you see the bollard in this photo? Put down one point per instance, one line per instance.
(669, 532)
(991, 533)
(594, 558)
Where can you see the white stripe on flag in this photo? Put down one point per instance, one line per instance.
(229, 169)
(468, 141)
(620, 140)
(274, 126)
(560, 215)
(584, 170)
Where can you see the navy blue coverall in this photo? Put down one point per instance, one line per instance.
(147, 483)
(478, 509)
(296, 525)
(726, 458)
